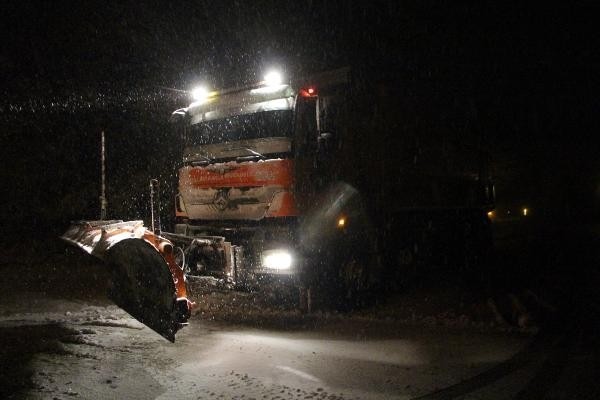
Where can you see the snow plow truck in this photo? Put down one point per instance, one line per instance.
(309, 184)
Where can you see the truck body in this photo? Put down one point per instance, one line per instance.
(311, 182)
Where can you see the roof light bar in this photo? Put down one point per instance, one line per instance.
(273, 78)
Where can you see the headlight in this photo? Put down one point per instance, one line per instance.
(200, 93)
(277, 259)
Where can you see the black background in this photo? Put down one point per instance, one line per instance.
(524, 78)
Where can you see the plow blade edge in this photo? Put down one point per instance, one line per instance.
(146, 281)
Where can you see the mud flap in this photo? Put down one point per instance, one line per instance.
(146, 282)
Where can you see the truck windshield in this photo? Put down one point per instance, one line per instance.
(242, 127)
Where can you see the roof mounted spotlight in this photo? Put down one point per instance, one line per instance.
(273, 78)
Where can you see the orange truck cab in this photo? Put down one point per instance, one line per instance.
(238, 205)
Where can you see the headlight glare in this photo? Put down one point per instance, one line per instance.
(277, 259)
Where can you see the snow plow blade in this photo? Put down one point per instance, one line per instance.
(146, 281)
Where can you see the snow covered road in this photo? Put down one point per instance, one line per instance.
(71, 349)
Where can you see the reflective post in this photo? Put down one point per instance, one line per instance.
(155, 214)
(103, 201)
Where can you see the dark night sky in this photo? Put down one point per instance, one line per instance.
(525, 77)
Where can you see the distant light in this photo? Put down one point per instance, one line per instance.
(490, 214)
(311, 90)
(341, 222)
(273, 78)
(525, 210)
(200, 93)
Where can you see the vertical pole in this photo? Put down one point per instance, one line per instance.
(155, 214)
(103, 201)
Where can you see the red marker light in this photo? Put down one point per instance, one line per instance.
(308, 92)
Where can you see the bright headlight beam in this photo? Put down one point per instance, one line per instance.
(200, 93)
(277, 259)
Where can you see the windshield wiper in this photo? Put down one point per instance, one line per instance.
(254, 155)
(205, 160)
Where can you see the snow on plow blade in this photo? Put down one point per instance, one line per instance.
(146, 281)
